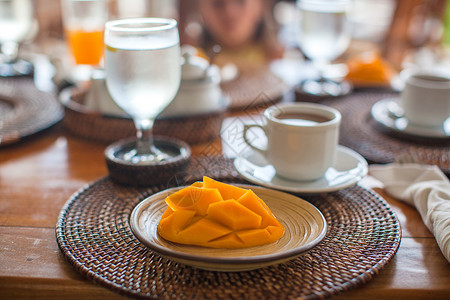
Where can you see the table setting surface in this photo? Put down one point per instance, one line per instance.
(32, 202)
(171, 168)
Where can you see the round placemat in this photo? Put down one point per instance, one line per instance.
(93, 232)
(363, 134)
(25, 110)
(94, 126)
(254, 88)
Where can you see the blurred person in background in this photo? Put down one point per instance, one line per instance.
(244, 30)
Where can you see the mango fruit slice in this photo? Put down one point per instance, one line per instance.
(193, 198)
(227, 191)
(218, 215)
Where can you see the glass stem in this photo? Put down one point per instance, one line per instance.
(11, 51)
(320, 65)
(144, 136)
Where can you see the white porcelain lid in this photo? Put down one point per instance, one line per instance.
(194, 67)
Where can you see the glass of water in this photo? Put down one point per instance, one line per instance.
(16, 21)
(324, 35)
(143, 73)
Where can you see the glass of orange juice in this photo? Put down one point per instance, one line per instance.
(84, 23)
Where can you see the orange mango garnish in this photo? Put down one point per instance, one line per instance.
(218, 215)
(369, 69)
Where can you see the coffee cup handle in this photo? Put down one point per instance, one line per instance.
(244, 133)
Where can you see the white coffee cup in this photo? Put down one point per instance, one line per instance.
(425, 99)
(301, 139)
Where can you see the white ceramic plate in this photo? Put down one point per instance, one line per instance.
(387, 112)
(304, 224)
(347, 170)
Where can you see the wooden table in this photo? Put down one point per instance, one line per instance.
(40, 173)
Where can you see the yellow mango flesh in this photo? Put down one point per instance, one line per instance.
(255, 204)
(203, 214)
(193, 198)
(227, 191)
(201, 231)
(197, 184)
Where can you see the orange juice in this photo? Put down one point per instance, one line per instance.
(86, 46)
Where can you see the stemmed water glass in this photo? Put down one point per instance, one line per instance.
(143, 73)
(324, 35)
(16, 20)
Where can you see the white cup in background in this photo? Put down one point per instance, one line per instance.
(302, 139)
(425, 98)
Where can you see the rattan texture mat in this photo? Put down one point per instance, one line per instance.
(94, 234)
(25, 110)
(363, 134)
(254, 88)
(92, 125)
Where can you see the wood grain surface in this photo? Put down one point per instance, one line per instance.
(40, 173)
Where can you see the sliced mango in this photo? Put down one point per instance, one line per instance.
(201, 232)
(230, 240)
(207, 214)
(227, 191)
(198, 184)
(369, 68)
(252, 237)
(175, 222)
(167, 213)
(234, 215)
(193, 198)
(255, 204)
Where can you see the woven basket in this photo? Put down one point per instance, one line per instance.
(106, 129)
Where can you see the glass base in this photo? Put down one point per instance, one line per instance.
(161, 152)
(17, 68)
(145, 172)
(156, 157)
(325, 87)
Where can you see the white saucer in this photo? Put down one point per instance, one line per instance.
(387, 112)
(348, 169)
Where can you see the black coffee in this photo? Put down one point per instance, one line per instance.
(302, 119)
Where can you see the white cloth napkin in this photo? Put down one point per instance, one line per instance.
(425, 187)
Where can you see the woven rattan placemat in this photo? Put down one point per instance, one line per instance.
(92, 125)
(362, 133)
(254, 88)
(25, 110)
(93, 232)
